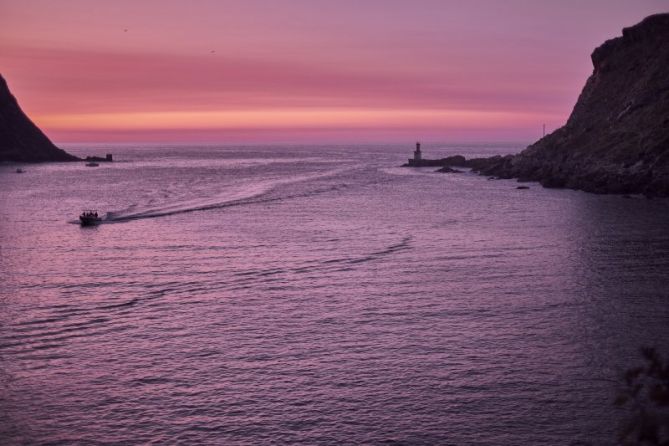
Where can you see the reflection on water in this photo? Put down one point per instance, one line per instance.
(318, 295)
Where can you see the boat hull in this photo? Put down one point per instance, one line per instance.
(89, 221)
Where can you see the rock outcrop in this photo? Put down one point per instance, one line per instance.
(448, 169)
(20, 139)
(441, 162)
(617, 137)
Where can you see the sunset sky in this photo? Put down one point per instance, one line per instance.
(304, 70)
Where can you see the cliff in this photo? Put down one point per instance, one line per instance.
(617, 137)
(20, 139)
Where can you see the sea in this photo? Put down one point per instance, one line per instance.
(318, 295)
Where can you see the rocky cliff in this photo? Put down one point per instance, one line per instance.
(617, 137)
(20, 139)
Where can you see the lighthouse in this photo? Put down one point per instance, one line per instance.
(417, 154)
(417, 160)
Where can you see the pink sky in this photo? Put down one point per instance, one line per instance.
(304, 70)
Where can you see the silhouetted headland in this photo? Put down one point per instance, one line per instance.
(617, 137)
(20, 139)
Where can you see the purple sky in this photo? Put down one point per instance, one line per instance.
(297, 70)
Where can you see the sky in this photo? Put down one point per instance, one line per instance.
(304, 71)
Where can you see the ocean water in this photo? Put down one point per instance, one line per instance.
(318, 295)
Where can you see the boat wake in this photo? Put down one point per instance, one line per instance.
(256, 192)
(229, 198)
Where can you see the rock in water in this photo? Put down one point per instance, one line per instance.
(20, 139)
(617, 137)
(448, 169)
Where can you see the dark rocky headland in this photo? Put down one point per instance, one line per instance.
(20, 139)
(617, 137)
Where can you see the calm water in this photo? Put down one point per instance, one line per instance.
(317, 295)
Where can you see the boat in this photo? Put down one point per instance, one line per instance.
(89, 217)
(92, 164)
(19, 170)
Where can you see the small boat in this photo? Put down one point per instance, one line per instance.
(92, 164)
(19, 170)
(89, 217)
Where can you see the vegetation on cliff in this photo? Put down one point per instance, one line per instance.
(646, 394)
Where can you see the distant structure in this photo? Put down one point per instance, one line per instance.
(417, 157)
(108, 158)
(419, 161)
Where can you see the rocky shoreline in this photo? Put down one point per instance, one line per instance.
(617, 137)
